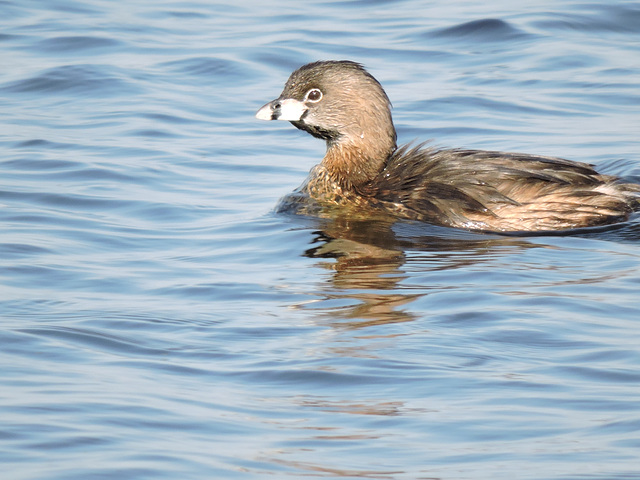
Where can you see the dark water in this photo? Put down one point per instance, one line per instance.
(160, 321)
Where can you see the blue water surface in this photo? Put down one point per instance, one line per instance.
(160, 321)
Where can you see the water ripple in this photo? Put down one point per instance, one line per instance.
(76, 44)
(620, 19)
(483, 30)
(73, 80)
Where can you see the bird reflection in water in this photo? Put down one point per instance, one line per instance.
(368, 257)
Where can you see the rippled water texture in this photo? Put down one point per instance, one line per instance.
(160, 321)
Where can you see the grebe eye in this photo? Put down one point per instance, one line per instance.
(313, 95)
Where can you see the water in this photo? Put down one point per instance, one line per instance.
(160, 321)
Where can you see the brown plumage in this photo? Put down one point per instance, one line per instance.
(340, 102)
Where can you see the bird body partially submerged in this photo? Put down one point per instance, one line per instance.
(344, 105)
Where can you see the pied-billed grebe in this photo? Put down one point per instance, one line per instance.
(340, 102)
